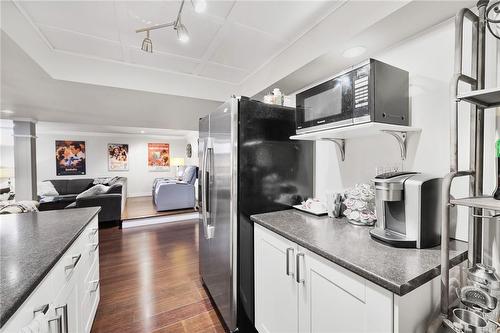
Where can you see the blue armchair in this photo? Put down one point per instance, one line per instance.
(171, 194)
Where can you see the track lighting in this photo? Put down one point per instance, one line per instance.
(147, 44)
(199, 5)
(181, 30)
(182, 33)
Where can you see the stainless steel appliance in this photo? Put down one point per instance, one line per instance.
(248, 166)
(369, 92)
(408, 209)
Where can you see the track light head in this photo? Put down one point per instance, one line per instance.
(199, 5)
(182, 33)
(147, 44)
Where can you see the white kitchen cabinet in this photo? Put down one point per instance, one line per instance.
(333, 299)
(318, 296)
(69, 293)
(67, 306)
(275, 286)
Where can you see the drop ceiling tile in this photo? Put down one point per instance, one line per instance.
(244, 48)
(96, 18)
(83, 44)
(201, 28)
(163, 61)
(223, 73)
(282, 19)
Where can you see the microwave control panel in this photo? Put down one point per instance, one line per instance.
(361, 77)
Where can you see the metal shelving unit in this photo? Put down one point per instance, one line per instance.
(478, 202)
(480, 99)
(485, 98)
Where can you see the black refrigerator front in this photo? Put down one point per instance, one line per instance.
(248, 165)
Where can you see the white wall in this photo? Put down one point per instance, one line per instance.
(428, 57)
(139, 178)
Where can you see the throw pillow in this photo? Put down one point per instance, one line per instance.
(46, 188)
(12, 207)
(101, 180)
(94, 190)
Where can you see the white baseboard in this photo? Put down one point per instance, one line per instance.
(159, 219)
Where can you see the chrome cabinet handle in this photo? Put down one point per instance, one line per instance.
(43, 309)
(298, 276)
(96, 282)
(57, 322)
(94, 246)
(64, 316)
(75, 259)
(288, 271)
(93, 231)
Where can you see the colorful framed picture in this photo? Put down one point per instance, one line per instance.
(117, 157)
(158, 157)
(70, 158)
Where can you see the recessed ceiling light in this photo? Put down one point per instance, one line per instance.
(142, 132)
(7, 111)
(354, 51)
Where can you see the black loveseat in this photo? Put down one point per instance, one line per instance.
(112, 202)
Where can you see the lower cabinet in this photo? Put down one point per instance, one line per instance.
(299, 291)
(66, 300)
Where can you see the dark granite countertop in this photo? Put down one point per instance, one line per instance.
(397, 270)
(30, 245)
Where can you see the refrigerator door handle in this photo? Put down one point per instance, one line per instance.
(208, 230)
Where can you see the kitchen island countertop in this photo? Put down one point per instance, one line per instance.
(395, 269)
(30, 245)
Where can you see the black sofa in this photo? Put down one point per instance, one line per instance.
(112, 202)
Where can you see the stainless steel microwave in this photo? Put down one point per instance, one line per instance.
(369, 92)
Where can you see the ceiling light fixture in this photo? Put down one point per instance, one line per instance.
(147, 44)
(181, 30)
(354, 51)
(7, 111)
(199, 5)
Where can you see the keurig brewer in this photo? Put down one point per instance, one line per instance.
(408, 209)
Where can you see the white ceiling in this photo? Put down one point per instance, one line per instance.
(32, 94)
(228, 42)
(79, 61)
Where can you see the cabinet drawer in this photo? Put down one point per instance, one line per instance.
(74, 261)
(41, 297)
(90, 296)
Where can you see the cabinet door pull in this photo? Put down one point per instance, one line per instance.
(57, 322)
(288, 270)
(43, 309)
(64, 316)
(94, 246)
(96, 286)
(93, 231)
(75, 259)
(298, 276)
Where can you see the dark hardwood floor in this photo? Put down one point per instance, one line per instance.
(150, 281)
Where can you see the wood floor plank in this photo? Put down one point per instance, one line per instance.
(141, 207)
(150, 282)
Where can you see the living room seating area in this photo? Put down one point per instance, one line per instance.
(171, 194)
(108, 193)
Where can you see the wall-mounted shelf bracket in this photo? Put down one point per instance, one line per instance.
(340, 143)
(401, 139)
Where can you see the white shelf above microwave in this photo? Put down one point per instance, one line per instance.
(340, 134)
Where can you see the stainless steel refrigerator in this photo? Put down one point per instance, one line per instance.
(248, 165)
